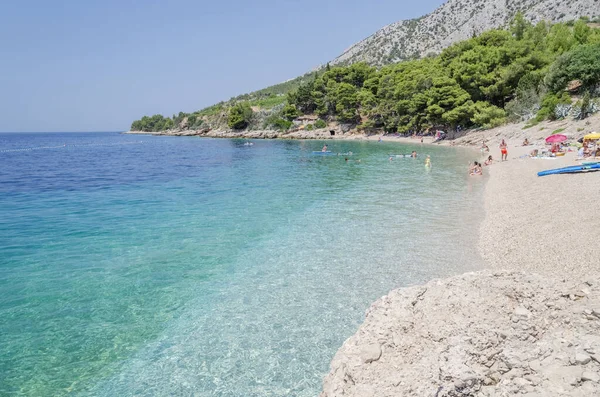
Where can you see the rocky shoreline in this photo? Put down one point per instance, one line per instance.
(324, 133)
(516, 132)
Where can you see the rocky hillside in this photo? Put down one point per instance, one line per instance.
(454, 21)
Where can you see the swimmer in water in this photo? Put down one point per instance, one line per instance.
(413, 154)
(324, 148)
(428, 161)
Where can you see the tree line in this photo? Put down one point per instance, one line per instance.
(513, 74)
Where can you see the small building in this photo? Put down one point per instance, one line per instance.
(306, 119)
(574, 86)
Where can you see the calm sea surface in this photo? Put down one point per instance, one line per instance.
(159, 266)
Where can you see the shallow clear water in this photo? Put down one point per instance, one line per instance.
(155, 266)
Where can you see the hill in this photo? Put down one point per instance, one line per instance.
(454, 21)
(484, 69)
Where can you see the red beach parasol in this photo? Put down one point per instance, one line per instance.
(556, 138)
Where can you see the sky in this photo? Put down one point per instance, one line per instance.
(96, 65)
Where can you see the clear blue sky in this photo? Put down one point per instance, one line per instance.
(91, 65)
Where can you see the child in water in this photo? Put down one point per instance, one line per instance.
(428, 161)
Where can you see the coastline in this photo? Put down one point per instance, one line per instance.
(526, 325)
(514, 133)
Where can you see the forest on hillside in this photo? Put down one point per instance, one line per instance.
(516, 74)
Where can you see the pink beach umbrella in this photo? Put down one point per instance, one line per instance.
(557, 138)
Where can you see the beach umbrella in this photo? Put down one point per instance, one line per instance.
(593, 136)
(557, 138)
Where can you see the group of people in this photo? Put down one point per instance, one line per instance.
(589, 149)
(503, 149)
(476, 168)
(413, 155)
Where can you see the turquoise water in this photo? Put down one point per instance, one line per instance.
(157, 266)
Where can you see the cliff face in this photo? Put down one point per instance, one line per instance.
(480, 334)
(454, 21)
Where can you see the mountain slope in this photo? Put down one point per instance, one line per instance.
(454, 21)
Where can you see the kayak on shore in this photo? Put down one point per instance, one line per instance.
(571, 170)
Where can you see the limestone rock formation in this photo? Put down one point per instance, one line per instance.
(479, 334)
(454, 21)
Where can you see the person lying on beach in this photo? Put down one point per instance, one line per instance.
(489, 160)
(534, 153)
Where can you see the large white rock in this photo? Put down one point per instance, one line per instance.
(457, 337)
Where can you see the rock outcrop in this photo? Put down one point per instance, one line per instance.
(479, 334)
(454, 21)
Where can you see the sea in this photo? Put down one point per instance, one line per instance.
(136, 265)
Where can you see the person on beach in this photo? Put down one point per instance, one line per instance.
(421, 139)
(324, 148)
(484, 147)
(475, 169)
(526, 142)
(428, 161)
(489, 160)
(504, 150)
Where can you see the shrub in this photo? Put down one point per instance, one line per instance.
(290, 112)
(239, 116)
(320, 123)
(584, 107)
(562, 110)
(549, 105)
(310, 127)
(582, 63)
(278, 123)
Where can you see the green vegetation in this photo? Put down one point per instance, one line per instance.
(320, 124)
(239, 116)
(482, 82)
(152, 124)
(519, 74)
(558, 131)
(583, 64)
